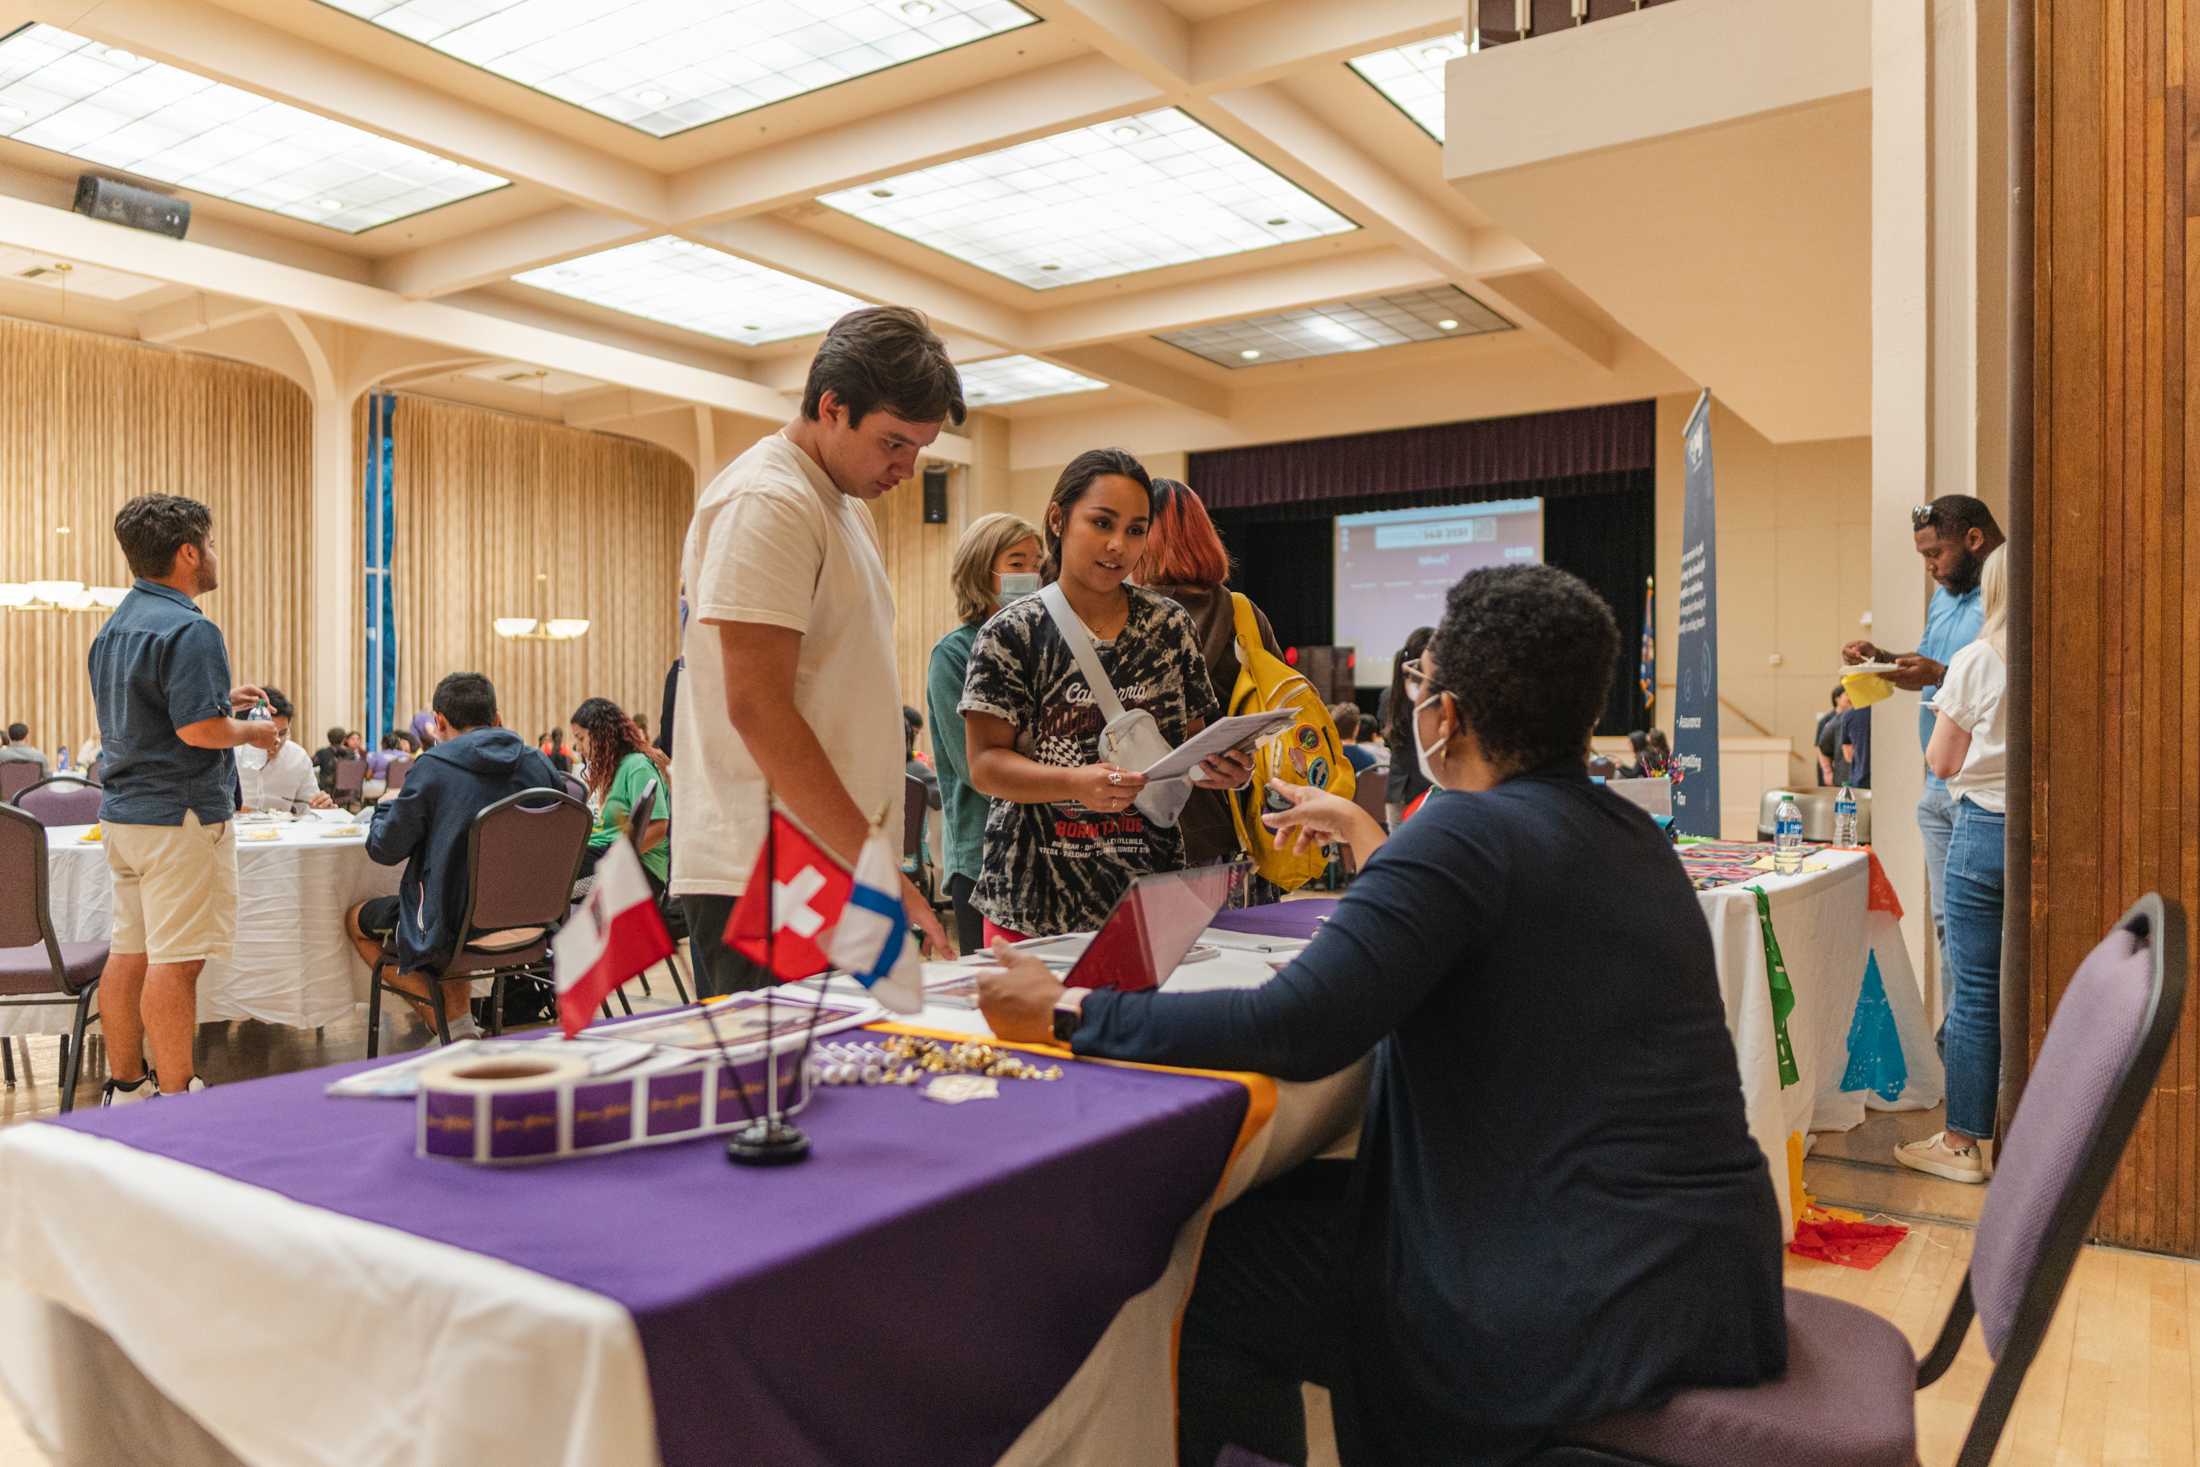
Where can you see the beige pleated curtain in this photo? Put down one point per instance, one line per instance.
(485, 503)
(86, 422)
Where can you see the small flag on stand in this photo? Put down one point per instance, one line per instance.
(785, 917)
(614, 936)
(872, 938)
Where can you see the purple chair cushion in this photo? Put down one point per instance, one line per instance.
(1846, 1401)
(27, 970)
(62, 804)
(2094, 1036)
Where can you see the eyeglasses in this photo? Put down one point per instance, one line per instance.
(1415, 673)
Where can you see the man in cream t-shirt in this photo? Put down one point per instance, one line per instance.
(790, 682)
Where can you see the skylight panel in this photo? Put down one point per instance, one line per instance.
(1364, 324)
(663, 66)
(696, 288)
(1137, 193)
(106, 106)
(998, 381)
(1412, 76)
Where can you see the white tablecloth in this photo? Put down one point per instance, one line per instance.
(376, 1346)
(292, 963)
(1825, 930)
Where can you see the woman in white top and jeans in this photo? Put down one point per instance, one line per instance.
(1969, 749)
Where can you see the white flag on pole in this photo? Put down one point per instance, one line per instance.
(872, 939)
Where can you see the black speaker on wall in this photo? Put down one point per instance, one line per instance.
(127, 204)
(935, 494)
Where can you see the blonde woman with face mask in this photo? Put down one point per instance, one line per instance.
(996, 561)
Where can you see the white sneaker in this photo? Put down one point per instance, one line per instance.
(118, 1092)
(1935, 1157)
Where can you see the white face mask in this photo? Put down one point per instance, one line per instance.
(1424, 753)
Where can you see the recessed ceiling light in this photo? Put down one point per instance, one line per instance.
(1003, 380)
(1061, 200)
(1278, 222)
(697, 288)
(1123, 132)
(1358, 325)
(190, 131)
(882, 193)
(1412, 77)
(331, 205)
(699, 60)
(119, 56)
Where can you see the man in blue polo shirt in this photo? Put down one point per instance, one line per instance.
(160, 681)
(1955, 534)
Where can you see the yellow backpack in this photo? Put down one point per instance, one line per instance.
(1309, 752)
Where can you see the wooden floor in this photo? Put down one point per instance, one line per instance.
(2116, 1384)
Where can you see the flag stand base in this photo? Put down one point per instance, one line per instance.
(768, 1142)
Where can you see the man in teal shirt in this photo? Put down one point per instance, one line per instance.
(1955, 534)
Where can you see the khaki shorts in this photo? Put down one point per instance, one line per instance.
(175, 897)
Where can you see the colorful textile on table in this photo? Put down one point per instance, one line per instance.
(1837, 1235)
(832, 1312)
(1882, 897)
(872, 939)
(615, 935)
(1783, 992)
(1715, 863)
(793, 899)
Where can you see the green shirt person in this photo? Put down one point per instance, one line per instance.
(622, 763)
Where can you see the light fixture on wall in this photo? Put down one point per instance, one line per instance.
(59, 594)
(541, 628)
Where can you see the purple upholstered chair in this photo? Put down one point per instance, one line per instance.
(1847, 1397)
(63, 799)
(16, 776)
(523, 855)
(36, 968)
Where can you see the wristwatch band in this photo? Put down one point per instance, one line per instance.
(1066, 1020)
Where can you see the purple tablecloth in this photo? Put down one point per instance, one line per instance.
(917, 1292)
(1279, 919)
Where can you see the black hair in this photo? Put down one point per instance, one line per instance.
(1078, 476)
(277, 704)
(393, 740)
(1835, 700)
(336, 736)
(1528, 652)
(1399, 735)
(1637, 740)
(1957, 514)
(17, 732)
(885, 357)
(465, 700)
(153, 527)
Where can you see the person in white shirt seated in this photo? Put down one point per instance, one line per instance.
(287, 782)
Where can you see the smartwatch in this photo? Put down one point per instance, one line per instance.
(1066, 1020)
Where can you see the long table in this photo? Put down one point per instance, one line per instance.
(291, 963)
(992, 1281)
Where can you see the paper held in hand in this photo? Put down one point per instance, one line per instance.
(1221, 737)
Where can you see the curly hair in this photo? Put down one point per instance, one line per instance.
(607, 737)
(153, 527)
(1529, 653)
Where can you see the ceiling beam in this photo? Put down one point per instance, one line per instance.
(1264, 42)
(499, 253)
(1123, 367)
(1145, 36)
(195, 315)
(219, 43)
(71, 236)
(843, 266)
(1282, 133)
(1229, 297)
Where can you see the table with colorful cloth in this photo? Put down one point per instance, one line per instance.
(1820, 996)
(264, 1274)
(291, 963)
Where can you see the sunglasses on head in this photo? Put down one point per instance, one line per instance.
(1921, 515)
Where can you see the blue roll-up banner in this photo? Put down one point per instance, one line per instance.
(381, 598)
(1696, 668)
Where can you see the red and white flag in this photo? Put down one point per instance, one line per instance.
(785, 917)
(615, 935)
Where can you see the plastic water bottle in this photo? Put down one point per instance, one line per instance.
(1787, 837)
(251, 756)
(1844, 817)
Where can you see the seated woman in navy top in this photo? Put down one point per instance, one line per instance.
(1557, 1211)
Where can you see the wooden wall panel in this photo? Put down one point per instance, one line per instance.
(918, 559)
(2114, 549)
(486, 502)
(87, 422)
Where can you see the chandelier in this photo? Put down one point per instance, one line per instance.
(541, 628)
(59, 595)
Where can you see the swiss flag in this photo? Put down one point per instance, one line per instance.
(798, 890)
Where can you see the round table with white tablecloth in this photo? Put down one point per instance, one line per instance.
(291, 964)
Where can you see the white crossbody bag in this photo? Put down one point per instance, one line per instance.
(1131, 740)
